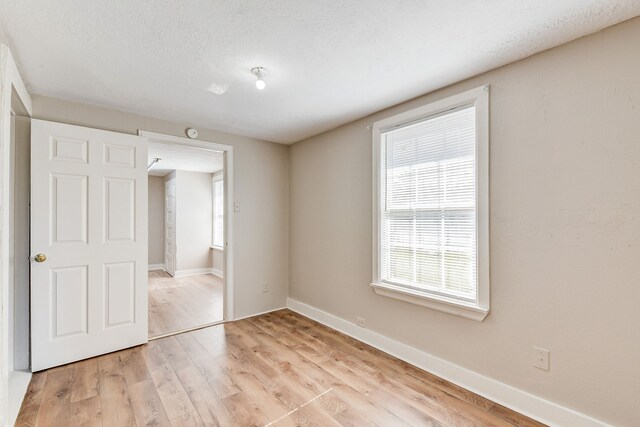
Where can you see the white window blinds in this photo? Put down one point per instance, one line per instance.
(427, 214)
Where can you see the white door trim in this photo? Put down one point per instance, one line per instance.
(11, 81)
(227, 150)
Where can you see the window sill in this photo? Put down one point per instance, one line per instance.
(446, 305)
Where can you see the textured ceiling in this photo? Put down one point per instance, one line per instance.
(330, 62)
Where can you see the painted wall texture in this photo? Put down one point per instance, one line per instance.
(564, 229)
(194, 215)
(156, 220)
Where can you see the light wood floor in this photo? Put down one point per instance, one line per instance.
(275, 369)
(176, 304)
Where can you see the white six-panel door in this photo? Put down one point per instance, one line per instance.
(89, 218)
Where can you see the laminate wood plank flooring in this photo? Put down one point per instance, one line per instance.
(176, 304)
(276, 369)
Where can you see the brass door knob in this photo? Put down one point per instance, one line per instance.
(40, 258)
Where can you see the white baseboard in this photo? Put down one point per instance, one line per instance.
(217, 272)
(18, 383)
(156, 267)
(521, 401)
(192, 272)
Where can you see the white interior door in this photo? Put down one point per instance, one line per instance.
(89, 218)
(170, 226)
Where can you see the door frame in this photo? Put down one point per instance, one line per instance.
(13, 96)
(227, 151)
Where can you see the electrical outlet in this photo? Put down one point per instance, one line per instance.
(266, 288)
(361, 322)
(541, 358)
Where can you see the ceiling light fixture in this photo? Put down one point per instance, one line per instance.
(259, 72)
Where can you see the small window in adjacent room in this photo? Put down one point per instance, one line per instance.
(218, 211)
(431, 176)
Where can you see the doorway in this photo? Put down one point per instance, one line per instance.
(98, 239)
(187, 235)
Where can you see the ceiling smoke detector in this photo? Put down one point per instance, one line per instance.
(192, 133)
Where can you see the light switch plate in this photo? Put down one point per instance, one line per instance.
(541, 358)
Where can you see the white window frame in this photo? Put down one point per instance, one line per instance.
(478, 309)
(214, 179)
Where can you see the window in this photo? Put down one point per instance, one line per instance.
(431, 205)
(218, 211)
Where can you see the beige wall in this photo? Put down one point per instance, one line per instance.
(565, 229)
(19, 241)
(194, 215)
(217, 261)
(261, 187)
(156, 220)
